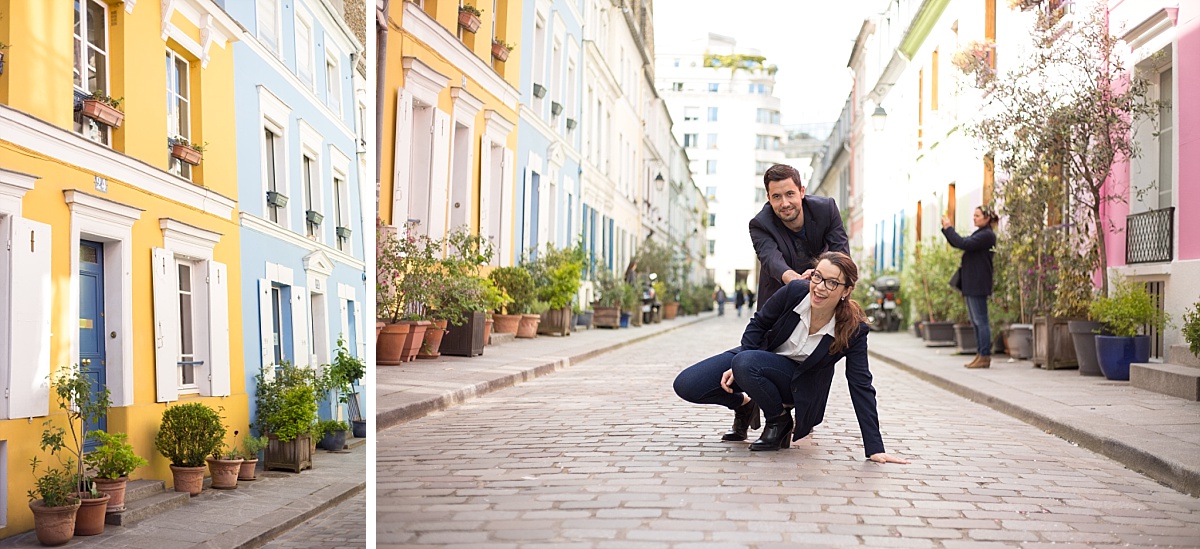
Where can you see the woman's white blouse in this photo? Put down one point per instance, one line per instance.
(800, 345)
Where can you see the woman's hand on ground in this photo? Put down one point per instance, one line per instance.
(727, 380)
(882, 457)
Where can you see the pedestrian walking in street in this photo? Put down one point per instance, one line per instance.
(739, 300)
(974, 277)
(719, 296)
(786, 360)
(749, 301)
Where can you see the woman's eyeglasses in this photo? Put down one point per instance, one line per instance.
(830, 284)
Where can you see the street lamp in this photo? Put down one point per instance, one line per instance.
(658, 182)
(878, 118)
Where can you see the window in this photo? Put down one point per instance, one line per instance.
(268, 24)
(758, 89)
(712, 247)
(341, 202)
(712, 140)
(713, 87)
(277, 323)
(712, 167)
(712, 220)
(677, 86)
(761, 167)
(760, 194)
(187, 322)
(304, 51)
(766, 116)
(1166, 138)
(178, 109)
(333, 85)
(766, 143)
(691, 139)
(712, 114)
(691, 114)
(272, 147)
(91, 62)
(710, 193)
(312, 198)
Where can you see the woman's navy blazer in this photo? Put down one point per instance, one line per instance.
(774, 323)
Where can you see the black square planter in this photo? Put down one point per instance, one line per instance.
(467, 339)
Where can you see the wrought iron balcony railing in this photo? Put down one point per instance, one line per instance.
(1150, 236)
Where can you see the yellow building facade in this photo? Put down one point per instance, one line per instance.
(121, 254)
(448, 109)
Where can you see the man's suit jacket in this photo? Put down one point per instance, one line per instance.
(777, 249)
(813, 378)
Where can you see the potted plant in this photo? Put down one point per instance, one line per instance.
(189, 433)
(251, 446)
(501, 49)
(929, 276)
(84, 407)
(333, 434)
(609, 295)
(556, 274)
(527, 327)
(1191, 328)
(187, 151)
(468, 18)
(225, 465)
(1128, 307)
(340, 376)
(630, 305)
(104, 109)
(287, 411)
(471, 295)
(517, 285)
(54, 501)
(110, 464)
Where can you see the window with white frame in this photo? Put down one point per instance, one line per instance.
(712, 140)
(341, 213)
(1166, 137)
(277, 307)
(333, 84)
(179, 111)
(304, 50)
(691, 114)
(187, 326)
(312, 198)
(268, 21)
(712, 114)
(91, 62)
(711, 167)
(276, 198)
(690, 140)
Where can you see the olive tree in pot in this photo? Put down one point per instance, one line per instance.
(188, 435)
(1127, 308)
(110, 464)
(54, 501)
(287, 412)
(84, 407)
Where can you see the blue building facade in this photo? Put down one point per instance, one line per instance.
(548, 187)
(299, 180)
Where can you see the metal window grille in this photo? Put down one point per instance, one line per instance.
(1150, 236)
(1155, 289)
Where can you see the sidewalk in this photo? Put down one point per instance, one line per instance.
(1154, 434)
(418, 388)
(246, 517)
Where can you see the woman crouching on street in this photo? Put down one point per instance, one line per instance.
(787, 358)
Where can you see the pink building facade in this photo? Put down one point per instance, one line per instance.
(1154, 234)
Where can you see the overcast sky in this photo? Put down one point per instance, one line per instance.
(809, 40)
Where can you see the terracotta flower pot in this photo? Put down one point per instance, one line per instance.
(54, 525)
(527, 328)
(506, 324)
(186, 154)
(103, 113)
(89, 520)
(431, 346)
(224, 472)
(487, 331)
(468, 21)
(390, 347)
(246, 471)
(115, 488)
(416, 336)
(188, 479)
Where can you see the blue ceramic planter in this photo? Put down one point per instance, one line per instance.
(625, 319)
(1115, 354)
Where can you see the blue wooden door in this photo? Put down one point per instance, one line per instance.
(534, 200)
(91, 322)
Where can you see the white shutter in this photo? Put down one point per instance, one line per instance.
(344, 314)
(507, 170)
(485, 188)
(218, 333)
(28, 357)
(439, 184)
(300, 351)
(165, 279)
(265, 329)
(402, 168)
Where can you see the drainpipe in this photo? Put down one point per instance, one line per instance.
(381, 30)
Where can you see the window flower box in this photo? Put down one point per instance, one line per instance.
(571, 123)
(276, 199)
(186, 152)
(539, 91)
(103, 109)
(344, 232)
(468, 18)
(556, 108)
(500, 50)
(314, 217)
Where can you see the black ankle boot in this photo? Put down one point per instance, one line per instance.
(744, 418)
(777, 434)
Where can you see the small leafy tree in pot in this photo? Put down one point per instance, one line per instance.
(1128, 308)
(189, 433)
(1191, 328)
(84, 408)
(114, 457)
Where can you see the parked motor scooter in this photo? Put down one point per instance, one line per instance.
(884, 313)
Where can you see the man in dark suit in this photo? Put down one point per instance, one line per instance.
(792, 230)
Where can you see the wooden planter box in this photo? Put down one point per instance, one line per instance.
(468, 21)
(294, 455)
(466, 339)
(1053, 347)
(186, 154)
(607, 317)
(102, 113)
(556, 322)
(939, 334)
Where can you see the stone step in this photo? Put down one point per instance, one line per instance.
(139, 489)
(1168, 379)
(500, 339)
(146, 507)
(1182, 355)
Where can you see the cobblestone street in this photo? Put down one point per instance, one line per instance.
(342, 527)
(603, 454)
